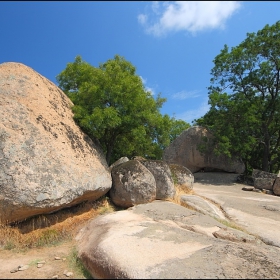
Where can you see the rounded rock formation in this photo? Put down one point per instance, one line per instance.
(47, 162)
(184, 150)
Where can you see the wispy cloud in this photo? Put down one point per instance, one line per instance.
(190, 115)
(144, 81)
(191, 16)
(185, 94)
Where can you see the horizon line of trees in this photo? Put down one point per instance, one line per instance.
(113, 107)
(245, 103)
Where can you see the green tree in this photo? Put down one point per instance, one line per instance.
(177, 127)
(112, 105)
(244, 98)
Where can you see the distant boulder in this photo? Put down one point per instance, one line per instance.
(47, 162)
(184, 150)
(263, 179)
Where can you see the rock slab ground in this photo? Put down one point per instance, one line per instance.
(217, 187)
(258, 213)
(163, 240)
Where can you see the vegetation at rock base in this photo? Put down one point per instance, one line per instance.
(77, 264)
(55, 229)
(112, 105)
(51, 229)
(245, 103)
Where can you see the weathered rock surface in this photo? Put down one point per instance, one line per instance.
(162, 240)
(184, 151)
(201, 205)
(132, 184)
(119, 161)
(164, 183)
(47, 162)
(182, 176)
(276, 186)
(263, 179)
(256, 212)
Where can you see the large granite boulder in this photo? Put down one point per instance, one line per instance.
(163, 240)
(184, 150)
(132, 184)
(46, 162)
(164, 183)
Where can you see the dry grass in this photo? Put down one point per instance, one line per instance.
(180, 190)
(52, 229)
(46, 230)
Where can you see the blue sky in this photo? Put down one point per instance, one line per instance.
(172, 44)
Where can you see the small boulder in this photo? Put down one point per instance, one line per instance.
(263, 179)
(248, 188)
(182, 176)
(132, 184)
(23, 267)
(276, 186)
(164, 183)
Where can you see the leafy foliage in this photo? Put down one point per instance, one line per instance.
(112, 105)
(244, 98)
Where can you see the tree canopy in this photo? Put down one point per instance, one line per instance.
(244, 97)
(112, 106)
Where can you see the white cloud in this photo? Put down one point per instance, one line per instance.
(185, 94)
(190, 115)
(192, 16)
(150, 90)
(142, 19)
(144, 81)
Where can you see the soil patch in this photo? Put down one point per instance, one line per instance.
(10, 260)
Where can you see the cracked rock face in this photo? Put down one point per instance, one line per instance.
(47, 162)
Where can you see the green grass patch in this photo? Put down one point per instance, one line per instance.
(76, 265)
(230, 224)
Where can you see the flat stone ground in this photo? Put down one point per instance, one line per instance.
(259, 213)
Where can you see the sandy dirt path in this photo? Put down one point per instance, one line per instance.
(10, 260)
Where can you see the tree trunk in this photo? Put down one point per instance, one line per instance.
(266, 152)
(109, 153)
